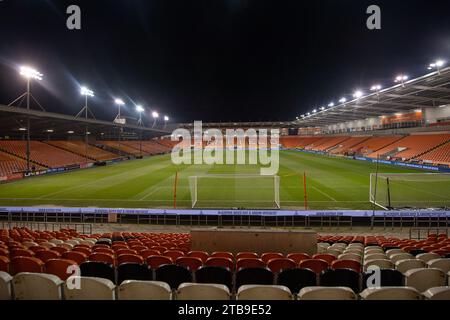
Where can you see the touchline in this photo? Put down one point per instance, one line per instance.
(213, 147)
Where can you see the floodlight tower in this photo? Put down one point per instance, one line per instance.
(140, 109)
(119, 103)
(166, 118)
(376, 88)
(29, 74)
(155, 116)
(438, 64)
(401, 79)
(86, 93)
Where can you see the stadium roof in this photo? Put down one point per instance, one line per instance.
(430, 90)
(13, 122)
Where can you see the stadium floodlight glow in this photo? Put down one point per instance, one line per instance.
(322, 108)
(343, 100)
(376, 87)
(331, 104)
(314, 111)
(303, 115)
(30, 73)
(358, 94)
(119, 102)
(166, 118)
(401, 79)
(155, 114)
(438, 64)
(49, 130)
(86, 92)
(22, 129)
(139, 108)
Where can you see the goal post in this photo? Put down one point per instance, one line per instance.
(410, 190)
(251, 191)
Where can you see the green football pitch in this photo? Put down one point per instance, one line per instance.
(332, 183)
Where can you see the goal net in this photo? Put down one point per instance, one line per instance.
(410, 190)
(235, 191)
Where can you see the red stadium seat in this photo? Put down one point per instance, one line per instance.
(78, 257)
(325, 256)
(47, 255)
(4, 264)
(222, 254)
(220, 262)
(129, 258)
(84, 250)
(192, 263)
(21, 253)
(277, 264)
(26, 264)
(298, 257)
(242, 255)
(59, 267)
(156, 261)
(249, 263)
(149, 252)
(346, 264)
(102, 257)
(202, 255)
(125, 251)
(60, 250)
(173, 254)
(266, 257)
(104, 250)
(316, 265)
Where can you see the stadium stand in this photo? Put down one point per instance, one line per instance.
(345, 146)
(10, 164)
(80, 148)
(439, 155)
(327, 143)
(41, 153)
(372, 145)
(297, 141)
(108, 277)
(411, 146)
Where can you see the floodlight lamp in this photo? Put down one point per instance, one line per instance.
(22, 129)
(86, 92)
(322, 108)
(331, 104)
(308, 114)
(166, 118)
(401, 78)
(155, 114)
(139, 108)
(119, 102)
(376, 87)
(358, 94)
(314, 111)
(342, 100)
(30, 73)
(440, 63)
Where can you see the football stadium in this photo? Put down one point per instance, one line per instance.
(118, 199)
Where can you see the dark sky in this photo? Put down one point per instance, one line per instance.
(215, 60)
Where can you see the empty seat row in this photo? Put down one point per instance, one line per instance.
(34, 286)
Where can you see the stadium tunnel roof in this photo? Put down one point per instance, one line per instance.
(13, 122)
(428, 91)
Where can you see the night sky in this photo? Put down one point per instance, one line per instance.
(215, 60)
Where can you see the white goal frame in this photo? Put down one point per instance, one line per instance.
(193, 184)
(374, 188)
